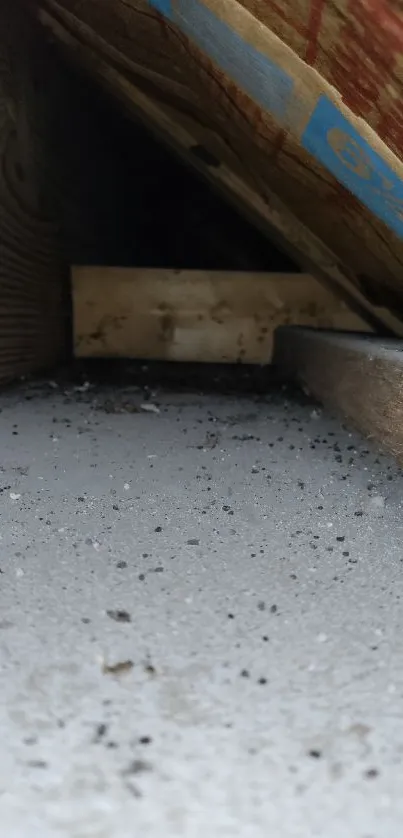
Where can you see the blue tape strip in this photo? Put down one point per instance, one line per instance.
(265, 82)
(337, 145)
(163, 6)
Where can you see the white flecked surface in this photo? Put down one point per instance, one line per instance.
(266, 692)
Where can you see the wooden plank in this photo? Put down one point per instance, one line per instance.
(360, 376)
(32, 276)
(202, 316)
(369, 259)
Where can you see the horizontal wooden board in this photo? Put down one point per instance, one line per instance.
(362, 377)
(201, 316)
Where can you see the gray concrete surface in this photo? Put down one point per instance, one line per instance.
(200, 618)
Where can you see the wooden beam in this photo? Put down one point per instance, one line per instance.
(360, 376)
(195, 315)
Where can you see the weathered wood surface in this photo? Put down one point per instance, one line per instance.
(202, 316)
(362, 377)
(246, 80)
(32, 292)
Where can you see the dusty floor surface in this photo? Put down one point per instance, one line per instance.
(200, 617)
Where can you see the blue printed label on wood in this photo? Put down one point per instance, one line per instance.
(329, 137)
(337, 145)
(265, 82)
(163, 6)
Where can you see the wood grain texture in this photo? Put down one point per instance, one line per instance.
(32, 293)
(200, 316)
(347, 41)
(129, 44)
(362, 377)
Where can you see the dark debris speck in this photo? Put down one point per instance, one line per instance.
(119, 668)
(100, 731)
(120, 616)
(137, 766)
(37, 763)
(371, 773)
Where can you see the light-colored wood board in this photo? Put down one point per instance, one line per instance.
(200, 316)
(362, 377)
(269, 213)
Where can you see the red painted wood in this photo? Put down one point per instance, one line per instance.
(314, 26)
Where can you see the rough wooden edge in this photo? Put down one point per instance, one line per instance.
(271, 217)
(362, 377)
(198, 316)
